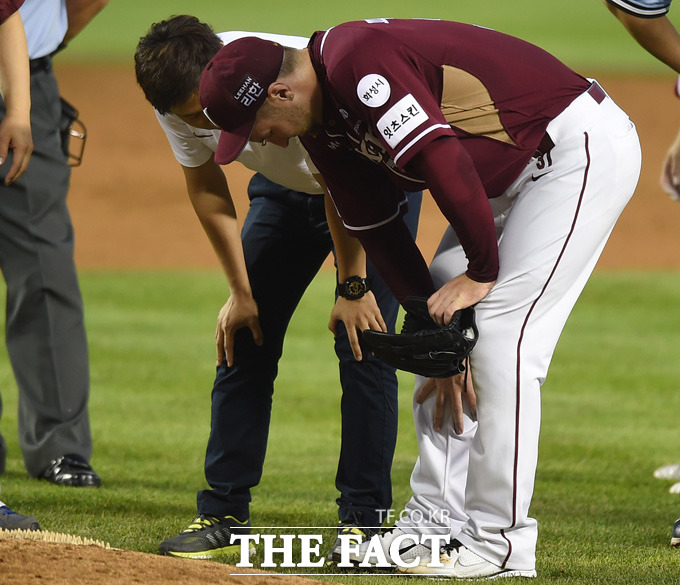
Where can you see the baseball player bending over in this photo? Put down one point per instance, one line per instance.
(531, 164)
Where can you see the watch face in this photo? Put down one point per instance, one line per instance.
(356, 288)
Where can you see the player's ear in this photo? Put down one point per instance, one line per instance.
(280, 91)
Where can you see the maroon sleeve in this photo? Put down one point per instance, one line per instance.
(398, 260)
(8, 7)
(456, 187)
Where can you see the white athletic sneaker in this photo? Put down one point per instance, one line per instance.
(470, 565)
(374, 551)
(459, 562)
(675, 488)
(671, 471)
(448, 555)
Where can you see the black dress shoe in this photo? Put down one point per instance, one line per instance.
(71, 470)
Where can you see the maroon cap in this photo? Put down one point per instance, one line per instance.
(233, 87)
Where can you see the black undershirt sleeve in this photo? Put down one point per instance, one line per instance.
(398, 260)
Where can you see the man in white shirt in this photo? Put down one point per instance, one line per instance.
(285, 239)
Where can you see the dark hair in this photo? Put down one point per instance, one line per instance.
(170, 59)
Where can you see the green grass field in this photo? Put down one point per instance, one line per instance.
(610, 404)
(581, 32)
(610, 418)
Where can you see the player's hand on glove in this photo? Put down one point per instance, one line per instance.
(423, 347)
(670, 174)
(458, 293)
(237, 312)
(15, 134)
(456, 391)
(357, 315)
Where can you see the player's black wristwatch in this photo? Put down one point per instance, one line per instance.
(354, 287)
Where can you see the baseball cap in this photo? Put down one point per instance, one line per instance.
(234, 85)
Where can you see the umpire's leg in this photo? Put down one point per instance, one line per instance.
(45, 335)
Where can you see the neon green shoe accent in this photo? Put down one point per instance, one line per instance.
(207, 537)
(201, 522)
(359, 534)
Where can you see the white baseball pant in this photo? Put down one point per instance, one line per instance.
(553, 223)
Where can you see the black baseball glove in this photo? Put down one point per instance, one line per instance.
(423, 347)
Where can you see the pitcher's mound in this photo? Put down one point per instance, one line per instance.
(28, 562)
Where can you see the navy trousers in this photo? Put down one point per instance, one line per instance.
(286, 240)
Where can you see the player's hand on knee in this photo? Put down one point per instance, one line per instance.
(357, 315)
(237, 312)
(459, 293)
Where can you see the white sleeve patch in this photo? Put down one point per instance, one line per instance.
(374, 90)
(401, 119)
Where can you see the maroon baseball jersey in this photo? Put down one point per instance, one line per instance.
(391, 88)
(9, 7)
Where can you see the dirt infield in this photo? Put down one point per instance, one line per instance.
(25, 562)
(130, 210)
